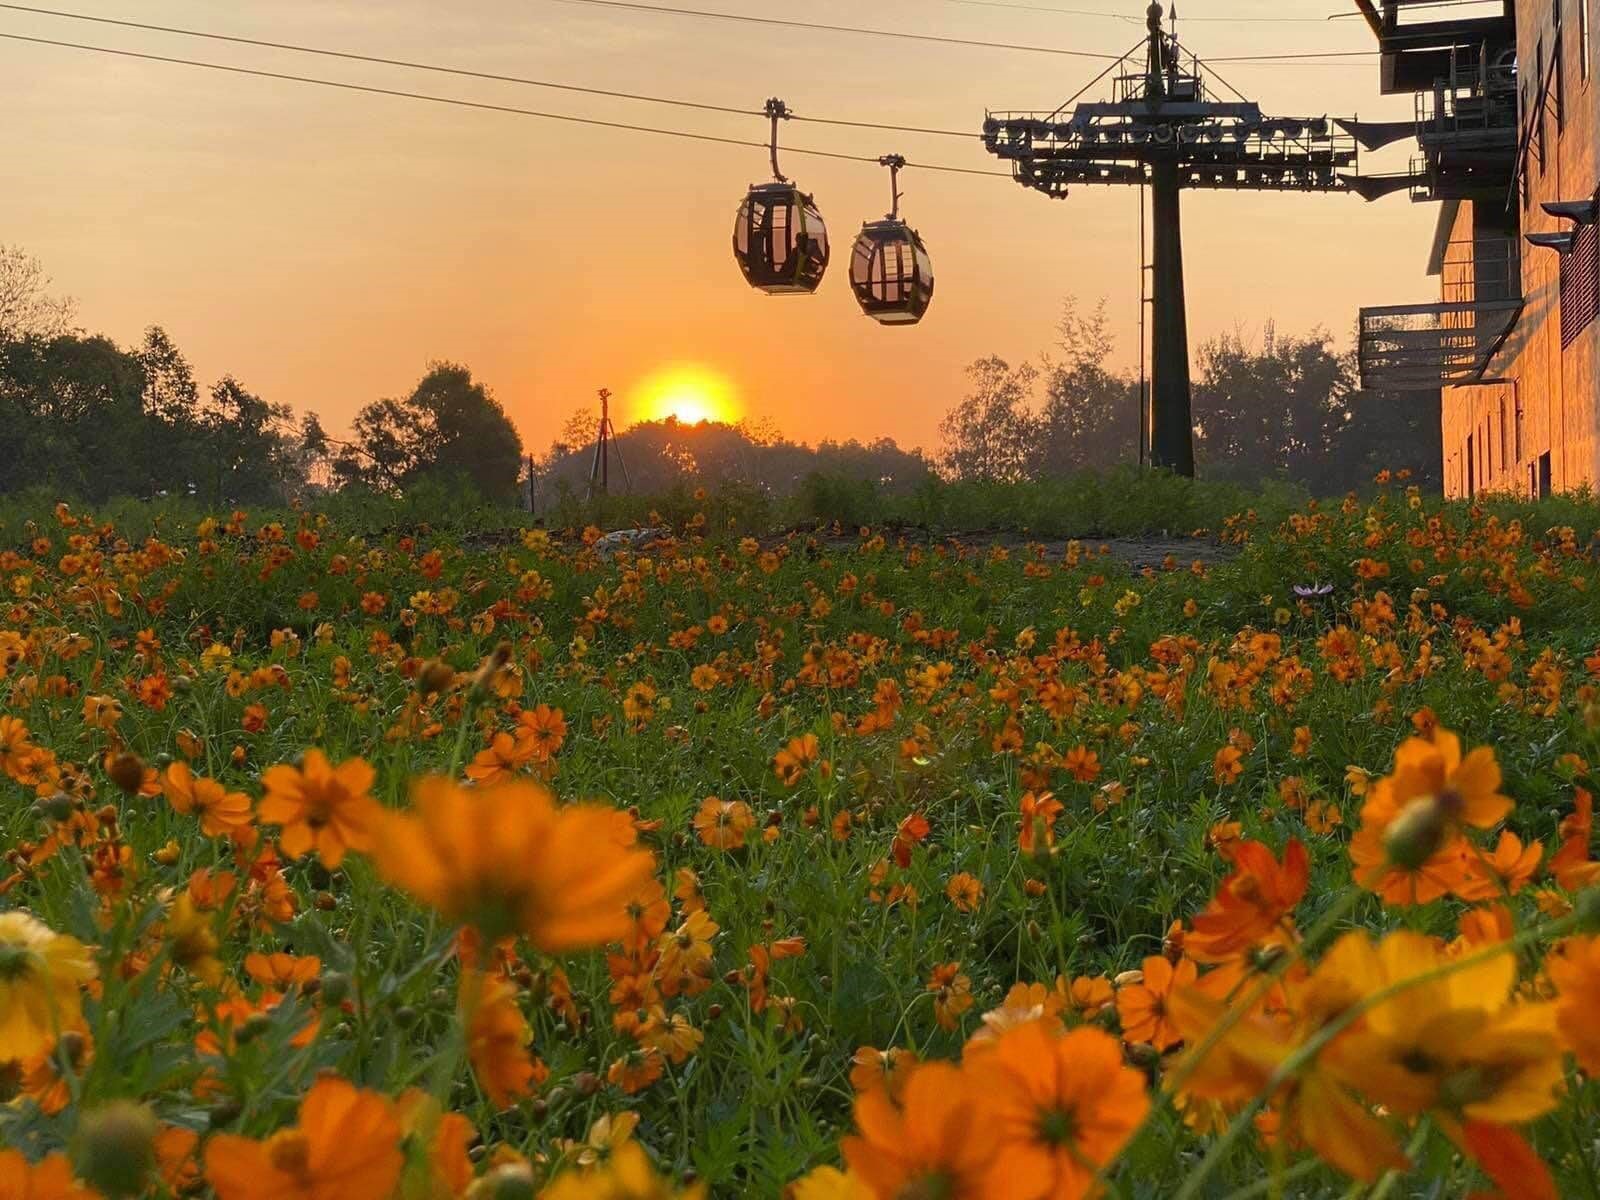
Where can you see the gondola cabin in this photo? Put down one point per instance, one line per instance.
(891, 273)
(780, 240)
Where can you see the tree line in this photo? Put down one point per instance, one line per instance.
(1288, 408)
(82, 417)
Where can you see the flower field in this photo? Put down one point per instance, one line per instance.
(345, 865)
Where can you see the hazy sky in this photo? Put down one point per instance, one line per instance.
(324, 246)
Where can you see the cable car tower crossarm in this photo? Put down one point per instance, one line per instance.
(1164, 129)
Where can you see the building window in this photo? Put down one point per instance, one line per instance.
(1580, 285)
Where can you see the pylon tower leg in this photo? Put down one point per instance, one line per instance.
(1171, 411)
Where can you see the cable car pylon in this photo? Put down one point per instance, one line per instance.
(1163, 129)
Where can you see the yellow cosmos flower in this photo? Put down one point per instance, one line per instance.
(41, 972)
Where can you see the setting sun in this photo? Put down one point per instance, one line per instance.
(690, 393)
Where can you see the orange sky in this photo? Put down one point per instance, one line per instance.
(323, 246)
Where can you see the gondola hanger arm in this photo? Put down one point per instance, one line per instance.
(777, 111)
(896, 163)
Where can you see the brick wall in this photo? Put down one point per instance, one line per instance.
(1540, 428)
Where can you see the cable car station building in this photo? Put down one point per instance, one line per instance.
(1507, 124)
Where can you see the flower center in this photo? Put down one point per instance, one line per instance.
(16, 961)
(290, 1152)
(936, 1185)
(1058, 1126)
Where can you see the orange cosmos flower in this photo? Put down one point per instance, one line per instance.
(321, 807)
(790, 763)
(1142, 1007)
(282, 970)
(952, 994)
(965, 892)
(1039, 813)
(1083, 764)
(1252, 903)
(1507, 871)
(1570, 864)
(939, 1141)
(345, 1147)
(543, 730)
(723, 824)
(48, 1179)
(506, 860)
(222, 813)
(500, 760)
(1063, 1106)
(497, 1038)
(1227, 766)
(1574, 967)
(1410, 848)
(871, 1068)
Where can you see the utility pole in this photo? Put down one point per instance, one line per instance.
(604, 445)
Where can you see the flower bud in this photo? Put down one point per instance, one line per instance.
(335, 986)
(1416, 834)
(126, 770)
(435, 677)
(57, 807)
(114, 1149)
(509, 1181)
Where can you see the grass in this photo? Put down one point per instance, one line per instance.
(1497, 600)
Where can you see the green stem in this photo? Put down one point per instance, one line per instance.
(1392, 1177)
(1262, 1187)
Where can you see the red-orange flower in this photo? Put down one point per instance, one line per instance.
(1252, 903)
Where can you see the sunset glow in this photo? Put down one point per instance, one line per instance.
(688, 392)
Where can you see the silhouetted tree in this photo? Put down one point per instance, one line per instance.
(1291, 409)
(661, 455)
(26, 307)
(992, 435)
(1091, 415)
(449, 427)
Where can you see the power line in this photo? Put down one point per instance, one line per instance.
(1117, 16)
(352, 56)
(438, 68)
(484, 106)
(634, 6)
(883, 33)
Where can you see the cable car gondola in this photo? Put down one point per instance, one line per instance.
(890, 270)
(780, 239)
